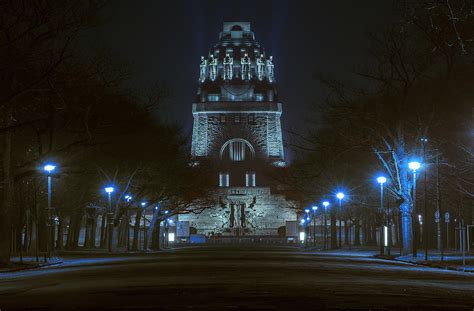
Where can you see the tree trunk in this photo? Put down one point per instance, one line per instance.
(60, 237)
(136, 229)
(103, 225)
(333, 230)
(407, 232)
(346, 231)
(356, 231)
(8, 194)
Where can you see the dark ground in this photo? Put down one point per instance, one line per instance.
(236, 278)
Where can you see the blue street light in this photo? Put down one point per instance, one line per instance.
(128, 197)
(340, 195)
(303, 221)
(314, 208)
(143, 204)
(306, 210)
(414, 166)
(109, 190)
(381, 180)
(49, 168)
(325, 234)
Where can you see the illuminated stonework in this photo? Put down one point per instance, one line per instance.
(237, 123)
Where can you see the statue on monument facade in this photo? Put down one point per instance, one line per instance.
(270, 67)
(202, 69)
(212, 68)
(260, 67)
(228, 63)
(245, 66)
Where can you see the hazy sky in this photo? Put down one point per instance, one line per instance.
(163, 41)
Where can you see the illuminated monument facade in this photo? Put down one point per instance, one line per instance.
(237, 124)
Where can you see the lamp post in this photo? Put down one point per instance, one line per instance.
(340, 196)
(424, 141)
(325, 204)
(143, 204)
(414, 166)
(166, 212)
(302, 236)
(109, 191)
(381, 180)
(308, 221)
(49, 169)
(128, 198)
(314, 208)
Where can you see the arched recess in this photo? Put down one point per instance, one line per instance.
(237, 149)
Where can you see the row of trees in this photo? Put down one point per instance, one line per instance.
(60, 103)
(412, 100)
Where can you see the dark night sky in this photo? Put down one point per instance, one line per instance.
(163, 41)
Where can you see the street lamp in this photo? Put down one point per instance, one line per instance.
(109, 190)
(144, 205)
(128, 198)
(340, 196)
(303, 233)
(325, 204)
(49, 169)
(314, 208)
(381, 180)
(414, 166)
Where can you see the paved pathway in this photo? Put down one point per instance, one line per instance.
(237, 278)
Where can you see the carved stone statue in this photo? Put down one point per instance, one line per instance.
(212, 68)
(270, 67)
(260, 67)
(228, 63)
(242, 216)
(245, 66)
(203, 69)
(232, 217)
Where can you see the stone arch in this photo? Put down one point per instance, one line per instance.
(239, 140)
(236, 28)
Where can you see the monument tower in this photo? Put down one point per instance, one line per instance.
(237, 124)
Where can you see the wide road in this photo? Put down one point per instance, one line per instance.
(237, 278)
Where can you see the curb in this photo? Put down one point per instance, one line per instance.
(32, 267)
(426, 264)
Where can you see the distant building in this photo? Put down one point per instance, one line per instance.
(237, 124)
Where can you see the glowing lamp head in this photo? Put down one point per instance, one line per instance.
(109, 189)
(340, 195)
(143, 204)
(325, 203)
(306, 210)
(308, 219)
(303, 221)
(414, 166)
(314, 208)
(166, 212)
(381, 180)
(128, 198)
(49, 168)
